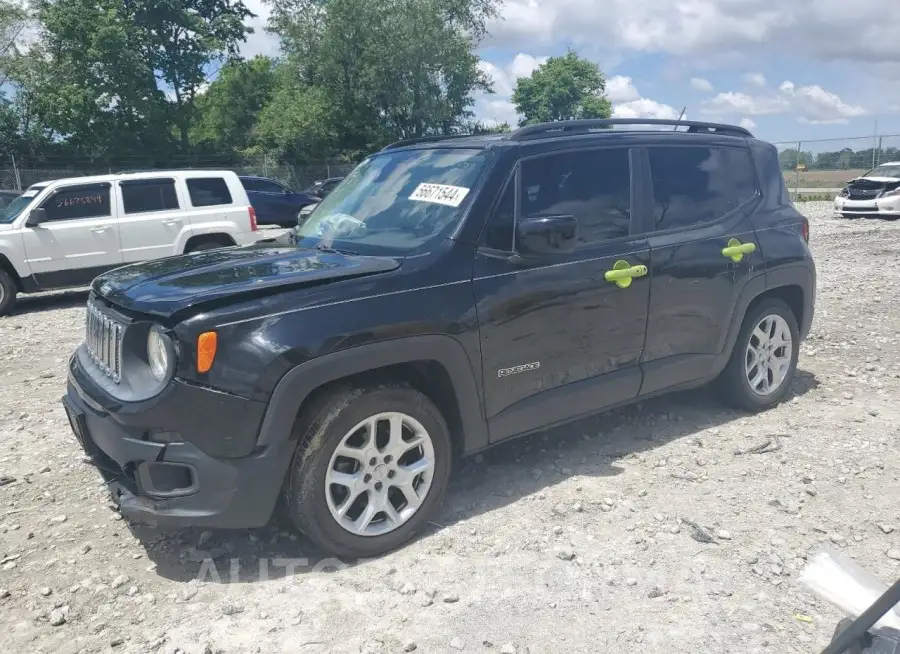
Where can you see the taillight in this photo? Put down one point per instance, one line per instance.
(804, 229)
(252, 213)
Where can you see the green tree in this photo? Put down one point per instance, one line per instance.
(388, 69)
(227, 113)
(562, 88)
(109, 64)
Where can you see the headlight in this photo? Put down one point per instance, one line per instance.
(845, 192)
(160, 354)
(891, 193)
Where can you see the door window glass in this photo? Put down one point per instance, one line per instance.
(141, 196)
(693, 185)
(592, 185)
(76, 202)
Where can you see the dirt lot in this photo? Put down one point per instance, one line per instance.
(571, 541)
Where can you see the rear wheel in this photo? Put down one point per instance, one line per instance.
(764, 359)
(8, 292)
(371, 468)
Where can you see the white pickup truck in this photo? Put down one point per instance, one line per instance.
(65, 232)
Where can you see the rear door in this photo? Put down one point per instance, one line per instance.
(703, 251)
(151, 221)
(557, 339)
(79, 240)
(281, 204)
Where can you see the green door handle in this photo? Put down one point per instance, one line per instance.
(623, 272)
(735, 250)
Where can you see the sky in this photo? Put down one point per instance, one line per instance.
(787, 69)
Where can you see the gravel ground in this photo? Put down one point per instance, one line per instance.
(576, 540)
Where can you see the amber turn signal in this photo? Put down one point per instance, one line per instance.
(206, 351)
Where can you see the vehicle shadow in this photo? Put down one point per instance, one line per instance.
(502, 475)
(51, 301)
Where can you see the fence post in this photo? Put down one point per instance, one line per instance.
(327, 170)
(16, 173)
(878, 152)
(797, 170)
(265, 165)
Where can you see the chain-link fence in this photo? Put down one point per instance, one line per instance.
(816, 168)
(19, 175)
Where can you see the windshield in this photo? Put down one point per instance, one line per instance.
(11, 211)
(395, 202)
(885, 171)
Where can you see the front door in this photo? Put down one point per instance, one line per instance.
(703, 252)
(79, 240)
(558, 340)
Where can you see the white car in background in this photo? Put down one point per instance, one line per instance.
(875, 194)
(63, 233)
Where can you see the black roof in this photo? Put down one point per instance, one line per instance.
(593, 126)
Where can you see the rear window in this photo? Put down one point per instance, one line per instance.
(208, 191)
(146, 195)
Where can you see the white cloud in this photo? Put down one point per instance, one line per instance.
(524, 64)
(645, 108)
(755, 79)
(505, 78)
(811, 104)
(260, 42)
(820, 29)
(701, 84)
(746, 123)
(621, 89)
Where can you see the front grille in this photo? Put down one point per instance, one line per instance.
(103, 338)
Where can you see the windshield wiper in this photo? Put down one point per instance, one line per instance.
(321, 247)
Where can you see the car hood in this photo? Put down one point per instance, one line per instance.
(203, 280)
(873, 182)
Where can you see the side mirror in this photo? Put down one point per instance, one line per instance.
(36, 217)
(545, 235)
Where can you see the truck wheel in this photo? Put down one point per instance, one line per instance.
(764, 359)
(8, 291)
(371, 467)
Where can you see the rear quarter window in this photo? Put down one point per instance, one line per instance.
(208, 191)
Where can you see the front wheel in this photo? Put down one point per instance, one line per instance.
(371, 468)
(8, 291)
(764, 359)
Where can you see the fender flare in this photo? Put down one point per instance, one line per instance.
(297, 384)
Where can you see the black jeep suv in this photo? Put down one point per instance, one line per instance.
(448, 295)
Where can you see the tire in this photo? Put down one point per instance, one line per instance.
(8, 292)
(735, 379)
(337, 419)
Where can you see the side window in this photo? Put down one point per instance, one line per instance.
(250, 185)
(76, 202)
(498, 233)
(693, 185)
(270, 187)
(142, 196)
(592, 185)
(208, 191)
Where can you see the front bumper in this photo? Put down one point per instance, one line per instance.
(885, 207)
(173, 484)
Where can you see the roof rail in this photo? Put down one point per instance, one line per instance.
(548, 130)
(425, 139)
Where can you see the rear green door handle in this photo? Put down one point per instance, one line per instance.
(623, 272)
(735, 250)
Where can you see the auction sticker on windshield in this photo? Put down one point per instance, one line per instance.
(451, 196)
